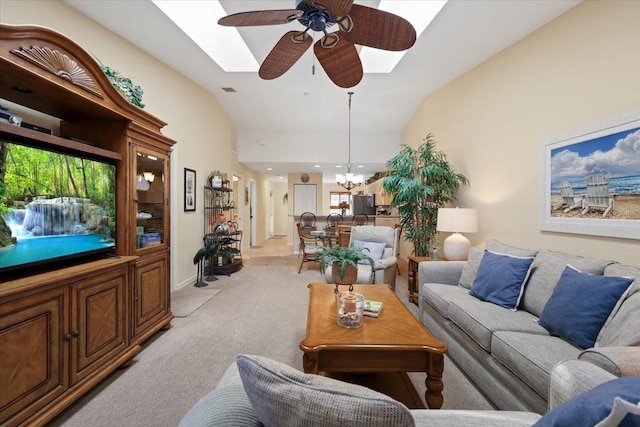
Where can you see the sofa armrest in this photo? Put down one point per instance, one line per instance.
(225, 405)
(447, 272)
(620, 361)
(570, 378)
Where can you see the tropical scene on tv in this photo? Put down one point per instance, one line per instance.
(53, 205)
(597, 178)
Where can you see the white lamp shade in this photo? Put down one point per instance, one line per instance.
(456, 220)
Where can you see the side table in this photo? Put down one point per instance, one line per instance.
(412, 279)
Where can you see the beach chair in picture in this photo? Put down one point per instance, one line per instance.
(598, 197)
(569, 201)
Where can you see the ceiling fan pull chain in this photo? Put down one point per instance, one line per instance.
(313, 60)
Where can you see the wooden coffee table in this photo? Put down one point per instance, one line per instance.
(393, 343)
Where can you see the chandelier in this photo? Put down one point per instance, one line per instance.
(349, 181)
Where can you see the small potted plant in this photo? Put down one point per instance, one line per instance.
(215, 179)
(344, 263)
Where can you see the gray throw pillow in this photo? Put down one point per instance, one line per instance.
(284, 396)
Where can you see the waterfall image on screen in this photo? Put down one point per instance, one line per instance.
(53, 206)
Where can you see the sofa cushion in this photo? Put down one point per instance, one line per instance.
(622, 328)
(500, 279)
(531, 357)
(284, 396)
(480, 320)
(545, 273)
(475, 256)
(580, 304)
(438, 296)
(595, 405)
(463, 417)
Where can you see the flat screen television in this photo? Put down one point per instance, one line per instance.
(56, 206)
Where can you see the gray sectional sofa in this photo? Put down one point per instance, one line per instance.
(255, 391)
(506, 352)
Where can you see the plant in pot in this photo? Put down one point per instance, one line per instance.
(344, 263)
(227, 254)
(420, 181)
(215, 179)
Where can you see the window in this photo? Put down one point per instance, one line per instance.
(336, 198)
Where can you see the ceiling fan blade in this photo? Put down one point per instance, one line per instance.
(284, 54)
(341, 62)
(380, 29)
(260, 17)
(337, 7)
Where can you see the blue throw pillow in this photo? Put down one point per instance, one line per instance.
(591, 407)
(580, 304)
(500, 279)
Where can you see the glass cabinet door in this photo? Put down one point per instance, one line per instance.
(151, 200)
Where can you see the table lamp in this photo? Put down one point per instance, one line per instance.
(456, 221)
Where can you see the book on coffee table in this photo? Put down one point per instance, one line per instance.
(372, 308)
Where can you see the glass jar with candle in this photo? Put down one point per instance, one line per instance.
(350, 309)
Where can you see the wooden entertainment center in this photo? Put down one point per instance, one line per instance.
(63, 329)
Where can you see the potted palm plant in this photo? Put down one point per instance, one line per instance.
(420, 181)
(344, 263)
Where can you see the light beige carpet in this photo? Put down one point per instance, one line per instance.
(188, 299)
(259, 310)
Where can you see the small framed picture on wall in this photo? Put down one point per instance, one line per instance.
(189, 190)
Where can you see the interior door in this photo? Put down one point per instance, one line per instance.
(304, 199)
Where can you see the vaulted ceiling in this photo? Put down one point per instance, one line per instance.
(308, 110)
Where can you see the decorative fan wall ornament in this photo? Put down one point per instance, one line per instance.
(336, 51)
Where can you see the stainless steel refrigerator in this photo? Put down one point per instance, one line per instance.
(364, 204)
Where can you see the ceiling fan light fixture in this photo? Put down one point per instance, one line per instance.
(330, 40)
(345, 23)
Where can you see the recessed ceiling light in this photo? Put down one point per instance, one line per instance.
(269, 169)
(316, 166)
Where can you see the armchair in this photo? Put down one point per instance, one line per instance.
(385, 265)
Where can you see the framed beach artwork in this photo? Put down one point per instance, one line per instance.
(591, 180)
(189, 190)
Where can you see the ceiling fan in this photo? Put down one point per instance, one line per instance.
(336, 50)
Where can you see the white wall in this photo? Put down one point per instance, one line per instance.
(582, 68)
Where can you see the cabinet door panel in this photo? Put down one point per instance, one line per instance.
(151, 299)
(99, 321)
(33, 369)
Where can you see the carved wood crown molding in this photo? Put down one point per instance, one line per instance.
(59, 64)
